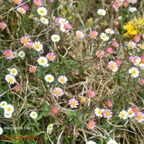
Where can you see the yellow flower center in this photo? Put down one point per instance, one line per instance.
(7, 54)
(62, 80)
(25, 41)
(99, 111)
(73, 103)
(112, 66)
(49, 78)
(37, 46)
(42, 11)
(90, 124)
(57, 92)
(107, 113)
(100, 13)
(103, 36)
(139, 117)
(8, 109)
(42, 61)
(123, 115)
(134, 72)
(10, 80)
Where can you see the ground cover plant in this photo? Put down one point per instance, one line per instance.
(72, 71)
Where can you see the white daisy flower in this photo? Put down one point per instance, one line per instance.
(13, 71)
(141, 46)
(55, 38)
(62, 79)
(3, 104)
(21, 10)
(42, 11)
(44, 21)
(9, 109)
(37, 46)
(134, 72)
(15, 54)
(6, 115)
(132, 1)
(130, 113)
(99, 112)
(101, 12)
(141, 66)
(21, 54)
(43, 61)
(10, 79)
(111, 141)
(113, 66)
(131, 44)
(109, 31)
(104, 37)
(123, 114)
(49, 78)
(50, 127)
(132, 9)
(33, 114)
(90, 142)
(1, 130)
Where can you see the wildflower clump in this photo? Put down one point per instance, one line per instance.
(134, 27)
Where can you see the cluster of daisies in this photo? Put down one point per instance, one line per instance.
(132, 113)
(8, 109)
(126, 4)
(63, 24)
(94, 34)
(10, 78)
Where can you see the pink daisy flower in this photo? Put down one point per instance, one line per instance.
(137, 38)
(38, 3)
(90, 93)
(8, 54)
(115, 44)
(107, 113)
(139, 117)
(109, 103)
(125, 3)
(93, 34)
(54, 110)
(32, 69)
(25, 7)
(141, 81)
(118, 62)
(91, 124)
(75, 72)
(135, 109)
(100, 54)
(51, 56)
(116, 6)
(68, 26)
(142, 59)
(25, 39)
(109, 50)
(113, 66)
(58, 92)
(73, 103)
(79, 34)
(17, 88)
(3, 25)
(29, 45)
